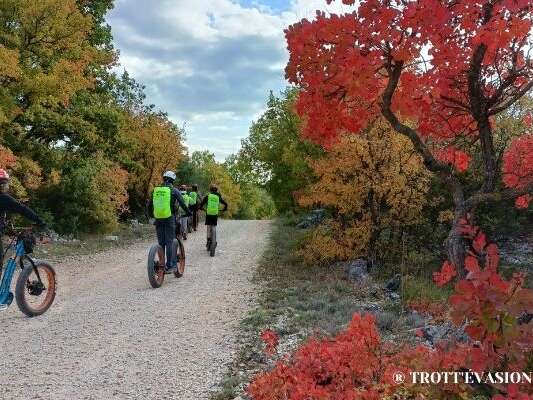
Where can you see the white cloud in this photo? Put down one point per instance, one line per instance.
(209, 63)
(307, 8)
(138, 66)
(212, 20)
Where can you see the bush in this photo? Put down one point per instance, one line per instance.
(371, 182)
(90, 196)
(357, 364)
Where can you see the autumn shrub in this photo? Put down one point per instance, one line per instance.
(357, 364)
(371, 182)
(89, 197)
(155, 146)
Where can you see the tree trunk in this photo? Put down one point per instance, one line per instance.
(455, 243)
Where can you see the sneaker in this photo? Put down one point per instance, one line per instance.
(169, 270)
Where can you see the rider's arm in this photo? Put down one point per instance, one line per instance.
(9, 204)
(203, 203)
(150, 207)
(223, 202)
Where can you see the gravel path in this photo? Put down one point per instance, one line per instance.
(109, 335)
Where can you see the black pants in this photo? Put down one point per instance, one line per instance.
(194, 210)
(166, 233)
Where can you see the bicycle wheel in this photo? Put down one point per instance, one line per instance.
(180, 250)
(213, 244)
(156, 266)
(35, 290)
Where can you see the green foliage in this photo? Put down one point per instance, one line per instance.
(67, 120)
(88, 197)
(256, 203)
(275, 155)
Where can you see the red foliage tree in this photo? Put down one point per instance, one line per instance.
(449, 66)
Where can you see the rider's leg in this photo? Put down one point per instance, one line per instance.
(207, 229)
(160, 232)
(161, 229)
(215, 223)
(170, 230)
(195, 217)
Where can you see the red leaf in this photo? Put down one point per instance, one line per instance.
(523, 201)
(528, 120)
(479, 242)
(271, 340)
(471, 264)
(445, 275)
(493, 256)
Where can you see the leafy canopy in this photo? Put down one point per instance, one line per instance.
(275, 153)
(449, 66)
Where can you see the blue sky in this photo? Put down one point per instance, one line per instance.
(209, 64)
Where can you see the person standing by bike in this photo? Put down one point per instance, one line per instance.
(193, 205)
(162, 206)
(8, 204)
(212, 200)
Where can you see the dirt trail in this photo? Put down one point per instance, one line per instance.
(109, 335)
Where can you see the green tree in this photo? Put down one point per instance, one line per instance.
(255, 202)
(275, 153)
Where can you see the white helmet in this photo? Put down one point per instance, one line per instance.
(170, 175)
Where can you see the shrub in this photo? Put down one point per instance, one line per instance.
(357, 364)
(89, 197)
(372, 182)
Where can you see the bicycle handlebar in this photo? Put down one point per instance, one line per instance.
(34, 230)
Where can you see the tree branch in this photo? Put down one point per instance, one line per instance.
(513, 100)
(431, 162)
(506, 194)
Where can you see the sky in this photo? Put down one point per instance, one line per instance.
(210, 64)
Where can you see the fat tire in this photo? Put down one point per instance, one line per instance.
(20, 289)
(156, 278)
(180, 250)
(213, 241)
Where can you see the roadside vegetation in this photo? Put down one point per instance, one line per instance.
(407, 241)
(66, 246)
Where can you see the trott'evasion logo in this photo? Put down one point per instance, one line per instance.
(469, 377)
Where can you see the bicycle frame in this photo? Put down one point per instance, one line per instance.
(9, 270)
